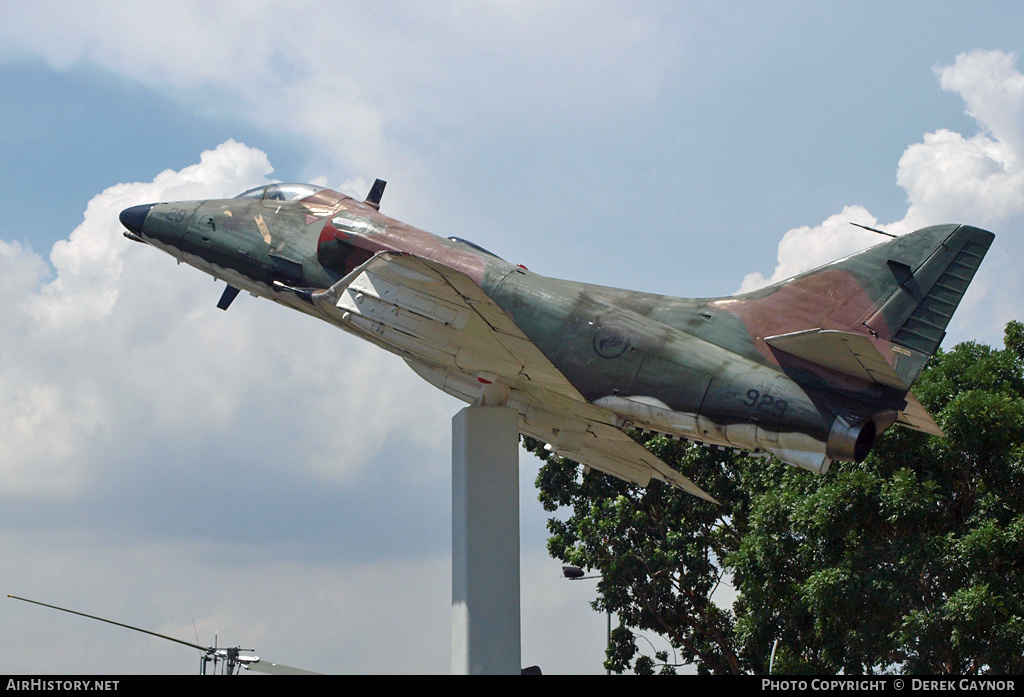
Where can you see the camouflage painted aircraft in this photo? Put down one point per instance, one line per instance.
(809, 370)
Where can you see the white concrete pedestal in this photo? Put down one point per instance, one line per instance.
(485, 542)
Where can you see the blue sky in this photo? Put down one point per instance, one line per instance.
(288, 486)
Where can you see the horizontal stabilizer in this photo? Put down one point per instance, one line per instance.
(915, 416)
(844, 352)
(855, 355)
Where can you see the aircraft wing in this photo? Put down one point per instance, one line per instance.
(454, 335)
(614, 452)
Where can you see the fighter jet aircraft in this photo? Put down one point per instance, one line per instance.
(809, 370)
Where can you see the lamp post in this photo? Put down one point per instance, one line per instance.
(575, 573)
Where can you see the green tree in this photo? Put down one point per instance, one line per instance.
(911, 561)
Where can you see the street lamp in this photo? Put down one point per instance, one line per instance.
(575, 573)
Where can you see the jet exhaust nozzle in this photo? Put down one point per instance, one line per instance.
(851, 442)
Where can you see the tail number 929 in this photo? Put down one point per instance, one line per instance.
(766, 403)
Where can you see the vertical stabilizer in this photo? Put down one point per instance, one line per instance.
(925, 296)
(899, 296)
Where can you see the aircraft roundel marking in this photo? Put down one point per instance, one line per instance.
(610, 344)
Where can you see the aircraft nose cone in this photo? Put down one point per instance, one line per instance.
(133, 218)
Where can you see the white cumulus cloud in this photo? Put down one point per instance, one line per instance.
(121, 352)
(806, 247)
(949, 178)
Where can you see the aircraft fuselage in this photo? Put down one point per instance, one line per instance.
(578, 359)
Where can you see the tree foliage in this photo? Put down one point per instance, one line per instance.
(909, 562)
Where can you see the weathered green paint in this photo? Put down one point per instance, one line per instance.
(809, 369)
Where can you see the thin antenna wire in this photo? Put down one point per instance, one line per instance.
(880, 232)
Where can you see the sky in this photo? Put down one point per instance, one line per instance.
(260, 477)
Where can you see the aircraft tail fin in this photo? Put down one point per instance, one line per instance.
(898, 296)
(917, 312)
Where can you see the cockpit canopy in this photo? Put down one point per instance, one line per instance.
(281, 192)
